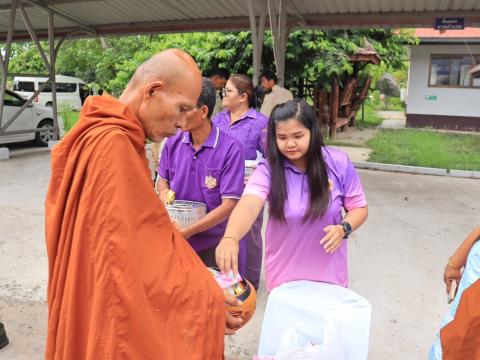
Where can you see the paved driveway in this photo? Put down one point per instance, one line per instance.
(396, 258)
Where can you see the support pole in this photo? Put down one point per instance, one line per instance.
(31, 31)
(280, 35)
(258, 32)
(6, 59)
(51, 43)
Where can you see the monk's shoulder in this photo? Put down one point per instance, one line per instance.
(110, 137)
(110, 145)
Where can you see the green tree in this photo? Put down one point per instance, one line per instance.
(313, 57)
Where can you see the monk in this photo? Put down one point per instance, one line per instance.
(123, 283)
(459, 336)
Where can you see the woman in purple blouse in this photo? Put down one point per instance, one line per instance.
(242, 122)
(308, 186)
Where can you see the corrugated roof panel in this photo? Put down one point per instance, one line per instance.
(340, 7)
(320, 7)
(432, 5)
(229, 9)
(310, 6)
(471, 5)
(397, 6)
(442, 5)
(408, 5)
(456, 4)
(419, 5)
(115, 11)
(330, 6)
(353, 6)
(373, 6)
(222, 10)
(38, 19)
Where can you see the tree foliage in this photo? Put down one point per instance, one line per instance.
(313, 56)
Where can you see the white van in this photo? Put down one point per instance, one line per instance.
(69, 89)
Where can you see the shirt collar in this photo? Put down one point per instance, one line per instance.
(212, 139)
(251, 113)
(287, 164)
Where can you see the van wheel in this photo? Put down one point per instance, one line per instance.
(42, 138)
(49, 104)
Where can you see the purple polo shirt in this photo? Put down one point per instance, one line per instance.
(185, 169)
(292, 249)
(250, 130)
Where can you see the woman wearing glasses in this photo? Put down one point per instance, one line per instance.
(242, 122)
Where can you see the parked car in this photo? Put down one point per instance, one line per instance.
(34, 116)
(70, 90)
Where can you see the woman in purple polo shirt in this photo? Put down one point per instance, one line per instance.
(307, 186)
(242, 122)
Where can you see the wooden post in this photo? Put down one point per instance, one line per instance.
(333, 109)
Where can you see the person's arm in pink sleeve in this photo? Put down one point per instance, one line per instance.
(242, 218)
(355, 205)
(353, 194)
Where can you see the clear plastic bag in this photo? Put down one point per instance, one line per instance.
(295, 346)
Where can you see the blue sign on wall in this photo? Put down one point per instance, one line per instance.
(450, 23)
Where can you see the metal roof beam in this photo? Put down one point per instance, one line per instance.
(389, 20)
(4, 7)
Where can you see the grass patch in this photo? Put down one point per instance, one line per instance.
(70, 118)
(426, 148)
(372, 119)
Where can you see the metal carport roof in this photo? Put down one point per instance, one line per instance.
(107, 17)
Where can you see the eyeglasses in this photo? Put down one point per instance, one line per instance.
(226, 91)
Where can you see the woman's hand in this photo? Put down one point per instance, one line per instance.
(232, 323)
(449, 275)
(226, 255)
(333, 239)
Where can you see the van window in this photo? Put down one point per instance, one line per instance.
(66, 87)
(27, 86)
(61, 87)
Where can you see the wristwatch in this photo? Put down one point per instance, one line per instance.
(347, 229)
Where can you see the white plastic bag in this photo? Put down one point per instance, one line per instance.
(305, 306)
(295, 346)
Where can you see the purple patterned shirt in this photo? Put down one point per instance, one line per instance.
(250, 130)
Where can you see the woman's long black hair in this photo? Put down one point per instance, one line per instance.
(316, 169)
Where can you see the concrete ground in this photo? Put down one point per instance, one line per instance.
(396, 259)
(392, 119)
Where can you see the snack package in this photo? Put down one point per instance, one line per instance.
(229, 283)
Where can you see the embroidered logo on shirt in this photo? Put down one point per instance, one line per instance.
(210, 182)
(330, 185)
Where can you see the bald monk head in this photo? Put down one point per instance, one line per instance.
(162, 91)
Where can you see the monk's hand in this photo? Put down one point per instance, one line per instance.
(226, 255)
(232, 323)
(333, 239)
(450, 274)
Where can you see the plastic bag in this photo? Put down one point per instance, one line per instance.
(295, 346)
(305, 305)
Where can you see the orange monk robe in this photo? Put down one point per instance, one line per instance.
(461, 337)
(123, 283)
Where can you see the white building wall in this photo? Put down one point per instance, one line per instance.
(449, 101)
